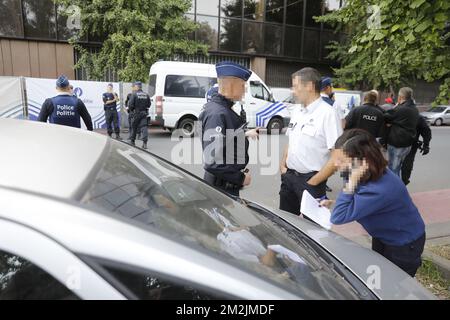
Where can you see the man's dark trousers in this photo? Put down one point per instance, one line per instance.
(408, 164)
(112, 121)
(292, 186)
(139, 124)
(130, 124)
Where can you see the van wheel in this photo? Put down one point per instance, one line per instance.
(187, 126)
(275, 126)
(438, 122)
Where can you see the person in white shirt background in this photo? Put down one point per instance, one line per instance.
(326, 92)
(313, 130)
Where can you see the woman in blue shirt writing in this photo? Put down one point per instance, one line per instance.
(377, 199)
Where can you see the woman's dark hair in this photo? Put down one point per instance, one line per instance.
(360, 144)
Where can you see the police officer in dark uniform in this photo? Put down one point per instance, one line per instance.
(65, 108)
(111, 116)
(224, 136)
(130, 114)
(212, 92)
(367, 117)
(139, 104)
(424, 131)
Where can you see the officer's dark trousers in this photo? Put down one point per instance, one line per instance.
(222, 185)
(112, 120)
(292, 186)
(130, 124)
(139, 124)
(408, 164)
(407, 257)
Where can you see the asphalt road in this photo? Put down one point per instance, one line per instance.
(431, 172)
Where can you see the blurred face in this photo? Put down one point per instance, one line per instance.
(110, 89)
(328, 90)
(401, 99)
(342, 161)
(71, 90)
(303, 92)
(232, 88)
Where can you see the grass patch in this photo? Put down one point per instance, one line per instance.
(431, 278)
(443, 251)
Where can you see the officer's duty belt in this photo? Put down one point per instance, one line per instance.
(219, 182)
(292, 171)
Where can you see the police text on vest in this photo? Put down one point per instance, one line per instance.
(65, 110)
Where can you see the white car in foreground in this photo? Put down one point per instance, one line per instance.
(83, 216)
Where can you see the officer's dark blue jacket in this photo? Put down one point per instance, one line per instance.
(216, 118)
(384, 208)
(65, 109)
(139, 102)
(109, 96)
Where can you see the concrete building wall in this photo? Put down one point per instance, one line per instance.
(258, 65)
(36, 59)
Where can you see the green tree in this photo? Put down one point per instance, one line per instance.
(392, 43)
(134, 35)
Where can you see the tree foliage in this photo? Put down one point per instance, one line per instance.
(392, 43)
(135, 34)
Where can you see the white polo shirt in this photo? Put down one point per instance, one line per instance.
(312, 133)
(338, 107)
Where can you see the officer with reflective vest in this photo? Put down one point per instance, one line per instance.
(138, 105)
(224, 135)
(110, 100)
(65, 108)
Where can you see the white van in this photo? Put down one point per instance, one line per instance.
(178, 91)
(346, 99)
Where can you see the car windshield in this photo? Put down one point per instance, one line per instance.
(164, 199)
(437, 109)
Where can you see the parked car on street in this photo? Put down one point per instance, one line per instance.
(438, 115)
(84, 216)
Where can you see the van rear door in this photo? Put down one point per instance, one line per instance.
(156, 109)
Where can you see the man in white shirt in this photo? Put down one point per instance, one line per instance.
(313, 131)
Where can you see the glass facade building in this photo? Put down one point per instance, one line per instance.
(280, 35)
(268, 28)
(31, 19)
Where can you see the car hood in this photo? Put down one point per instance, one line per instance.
(430, 114)
(385, 279)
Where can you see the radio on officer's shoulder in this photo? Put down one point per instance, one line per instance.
(243, 114)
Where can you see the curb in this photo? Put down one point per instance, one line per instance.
(443, 265)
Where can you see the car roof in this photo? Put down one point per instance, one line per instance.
(180, 67)
(45, 158)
